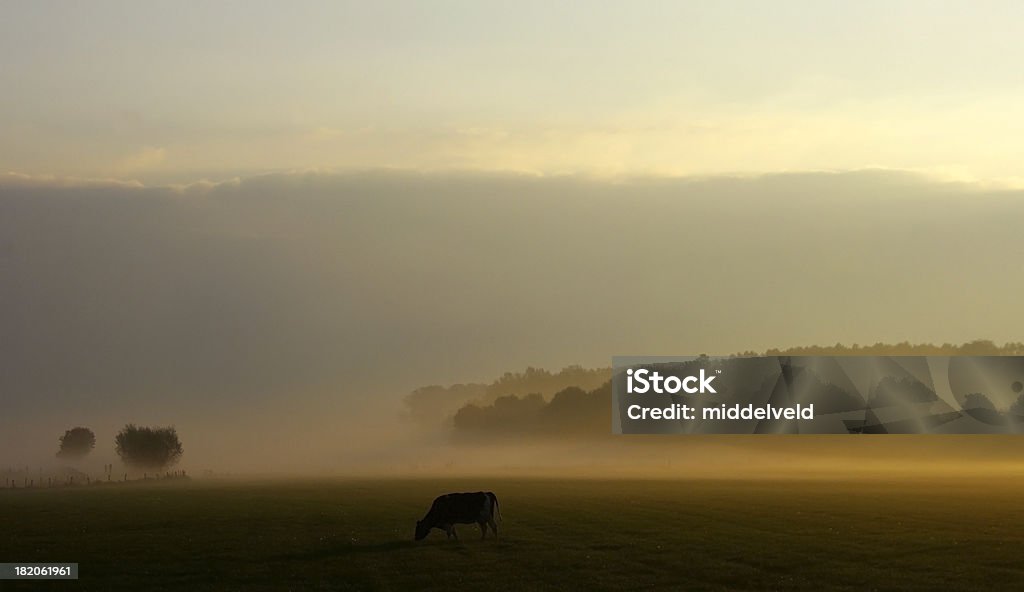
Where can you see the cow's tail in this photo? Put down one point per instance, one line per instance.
(494, 504)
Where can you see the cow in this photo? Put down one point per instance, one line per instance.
(460, 508)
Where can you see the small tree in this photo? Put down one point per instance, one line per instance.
(148, 448)
(1017, 408)
(76, 443)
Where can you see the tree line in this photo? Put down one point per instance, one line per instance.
(434, 404)
(519, 403)
(139, 447)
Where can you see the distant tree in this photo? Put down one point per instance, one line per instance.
(900, 391)
(1017, 408)
(571, 412)
(148, 448)
(433, 404)
(978, 347)
(507, 414)
(978, 401)
(76, 443)
(543, 382)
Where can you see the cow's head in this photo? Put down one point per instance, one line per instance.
(422, 530)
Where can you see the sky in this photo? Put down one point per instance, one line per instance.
(170, 92)
(267, 223)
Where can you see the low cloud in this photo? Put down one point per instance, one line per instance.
(273, 306)
(12, 180)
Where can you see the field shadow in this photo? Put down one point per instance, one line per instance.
(341, 548)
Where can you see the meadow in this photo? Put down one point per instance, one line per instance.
(948, 533)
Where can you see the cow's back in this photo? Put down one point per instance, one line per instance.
(461, 508)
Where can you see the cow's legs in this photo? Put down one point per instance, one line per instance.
(483, 530)
(494, 526)
(450, 530)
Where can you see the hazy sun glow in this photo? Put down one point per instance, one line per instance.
(164, 93)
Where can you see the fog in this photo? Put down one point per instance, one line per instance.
(277, 321)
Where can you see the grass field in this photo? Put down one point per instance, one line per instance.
(925, 534)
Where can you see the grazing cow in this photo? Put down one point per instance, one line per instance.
(460, 508)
